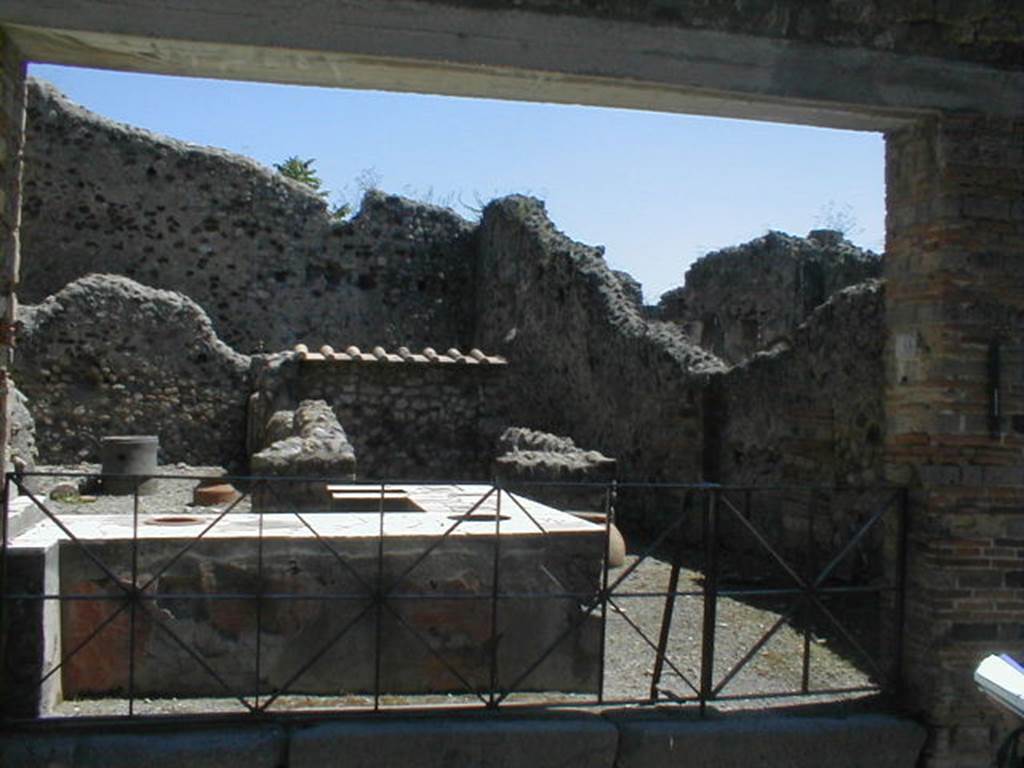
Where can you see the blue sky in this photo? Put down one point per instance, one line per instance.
(657, 190)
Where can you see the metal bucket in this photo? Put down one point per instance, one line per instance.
(129, 455)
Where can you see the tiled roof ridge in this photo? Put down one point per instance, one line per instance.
(353, 354)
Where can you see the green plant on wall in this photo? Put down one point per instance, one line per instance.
(304, 172)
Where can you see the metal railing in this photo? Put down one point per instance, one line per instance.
(502, 602)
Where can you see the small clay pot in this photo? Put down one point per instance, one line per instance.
(213, 495)
(616, 543)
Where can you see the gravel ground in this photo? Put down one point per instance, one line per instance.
(632, 628)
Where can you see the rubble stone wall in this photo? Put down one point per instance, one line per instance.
(22, 451)
(305, 443)
(809, 415)
(406, 421)
(12, 118)
(810, 410)
(258, 252)
(553, 470)
(108, 356)
(586, 364)
(742, 299)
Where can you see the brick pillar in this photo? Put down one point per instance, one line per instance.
(955, 413)
(12, 133)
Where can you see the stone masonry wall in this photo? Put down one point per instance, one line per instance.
(257, 251)
(108, 356)
(585, 363)
(810, 410)
(742, 299)
(405, 420)
(12, 118)
(810, 413)
(985, 31)
(23, 452)
(955, 312)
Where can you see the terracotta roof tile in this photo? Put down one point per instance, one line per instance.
(429, 355)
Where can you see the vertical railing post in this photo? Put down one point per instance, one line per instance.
(134, 597)
(3, 518)
(805, 608)
(609, 516)
(259, 609)
(670, 599)
(707, 656)
(492, 702)
(902, 543)
(4, 602)
(379, 600)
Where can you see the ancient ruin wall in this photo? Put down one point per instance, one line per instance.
(810, 413)
(22, 451)
(423, 421)
(585, 363)
(108, 356)
(12, 114)
(257, 251)
(741, 299)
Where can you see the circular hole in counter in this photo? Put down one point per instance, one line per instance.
(174, 520)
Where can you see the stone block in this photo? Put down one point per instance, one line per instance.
(576, 741)
(795, 742)
(262, 746)
(939, 475)
(974, 632)
(22, 514)
(35, 648)
(987, 208)
(317, 449)
(1013, 476)
(534, 464)
(979, 580)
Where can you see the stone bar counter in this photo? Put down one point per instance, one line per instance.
(288, 602)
